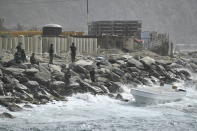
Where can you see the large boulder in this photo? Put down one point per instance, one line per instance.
(134, 63)
(79, 69)
(132, 69)
(1, 73)
(113, 77)
(13, 71)
(82, 62)
(113, 87)
(2, 92)
(117, 71)
(89, 88)
(164, 62)
(33, 86)
(58, 86)
(14, 108)
(31, 71)
(6, 115)
(147, 61)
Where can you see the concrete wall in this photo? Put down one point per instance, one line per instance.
(39, 44)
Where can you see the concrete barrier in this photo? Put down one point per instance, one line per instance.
(39, 44)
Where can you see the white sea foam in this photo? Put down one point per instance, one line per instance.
(89, 112)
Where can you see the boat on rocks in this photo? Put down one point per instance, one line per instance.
(156, 95)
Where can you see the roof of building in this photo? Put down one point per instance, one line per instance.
(52, 25)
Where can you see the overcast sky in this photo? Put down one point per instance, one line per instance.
(176, 17)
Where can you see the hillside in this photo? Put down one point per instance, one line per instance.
(178, 17)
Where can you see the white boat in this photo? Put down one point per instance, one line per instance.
(154, 95)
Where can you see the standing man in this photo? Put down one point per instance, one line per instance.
(92, 75)
(23, 55)
(73, 52)
(51, 52)
(67, 76)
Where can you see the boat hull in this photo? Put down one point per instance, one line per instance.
(147, 97)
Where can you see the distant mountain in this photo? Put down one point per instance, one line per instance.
(177, 17)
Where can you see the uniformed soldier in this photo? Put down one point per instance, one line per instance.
(73, 52)
(51, 54)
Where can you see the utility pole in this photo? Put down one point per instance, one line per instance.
(87, 15)
(87, 12)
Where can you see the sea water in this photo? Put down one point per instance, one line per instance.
(88, 112)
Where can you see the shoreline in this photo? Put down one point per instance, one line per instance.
(26, 83)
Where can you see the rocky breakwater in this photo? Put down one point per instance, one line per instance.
(25, 83)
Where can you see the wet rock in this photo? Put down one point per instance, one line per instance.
(88, 88)
(14, 108)
(6, 115)
(111, 95)
(119, 97)
(127, 78)
(134, 63)
(27, 106)
(58, 86)
(102, 86)
(186, 73)
(113, 87)
(113, 77)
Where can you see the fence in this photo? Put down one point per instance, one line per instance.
(39, 44)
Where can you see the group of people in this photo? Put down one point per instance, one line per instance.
(73, 50)
(20, 57)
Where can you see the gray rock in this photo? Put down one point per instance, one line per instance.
(1, 73)
(147, 61)
(119, 97)
(31, 71)
(113, 87)
(134, 63)
(6, 115)
(79, 69)
(112, 60)
(88, 88)
(117, 71)
(113, 77)
(14, 108)
(132, 69)
(20, 86)
(13, 71)
(2, 92)
(58, 86)
(27, 106)
(163, 62)
(32, 85)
